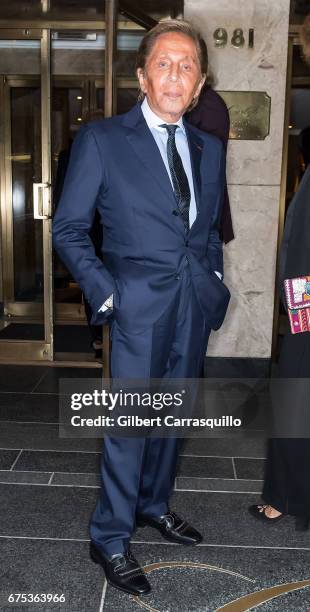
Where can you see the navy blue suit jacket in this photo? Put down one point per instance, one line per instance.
(116, 167)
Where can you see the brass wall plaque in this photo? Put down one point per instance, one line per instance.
(249, 113)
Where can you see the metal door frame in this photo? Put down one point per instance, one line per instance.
(33, 350)
(38, 350)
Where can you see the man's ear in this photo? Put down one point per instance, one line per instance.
(200, 85)
(141, 79)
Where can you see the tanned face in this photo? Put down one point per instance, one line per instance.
(172, 76)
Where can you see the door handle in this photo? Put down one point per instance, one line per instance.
(41, 201)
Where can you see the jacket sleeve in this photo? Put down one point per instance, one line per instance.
(215, 245)
(73, 221)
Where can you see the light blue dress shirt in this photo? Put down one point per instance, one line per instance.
(160, 135)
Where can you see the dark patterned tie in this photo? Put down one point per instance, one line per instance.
(178, 175)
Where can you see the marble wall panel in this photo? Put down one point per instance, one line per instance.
(262, 68)
(249, 273)
(253, 167)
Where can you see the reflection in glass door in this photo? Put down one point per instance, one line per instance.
(76, 58)
(69, 104)
(26, 322)
(23, 168)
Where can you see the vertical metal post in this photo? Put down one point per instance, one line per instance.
(6, 193)
(46, 178)
(2, 187)
(45, 6)
(111, 11)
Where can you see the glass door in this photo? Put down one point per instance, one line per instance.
(26, 325)
(77, 57)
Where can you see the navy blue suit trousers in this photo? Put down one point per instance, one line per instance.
(138, 474)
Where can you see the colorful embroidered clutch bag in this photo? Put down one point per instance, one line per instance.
(297, 293)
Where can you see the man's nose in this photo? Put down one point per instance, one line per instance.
(174, 73)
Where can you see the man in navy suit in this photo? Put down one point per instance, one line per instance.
(158, 184)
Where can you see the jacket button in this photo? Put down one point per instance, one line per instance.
(186, 243)
(177, 276)
(175, 213)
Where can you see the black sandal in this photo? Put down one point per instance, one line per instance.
(258, 511)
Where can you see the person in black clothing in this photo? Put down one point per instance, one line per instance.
(287, 482)
(211, 115)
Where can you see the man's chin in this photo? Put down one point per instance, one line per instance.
(174, 109)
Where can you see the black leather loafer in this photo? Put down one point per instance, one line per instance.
(172, 528)
(122, 572)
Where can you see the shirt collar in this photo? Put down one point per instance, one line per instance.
(154, 121)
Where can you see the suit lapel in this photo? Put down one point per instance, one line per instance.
(141, 140)
(195, 149)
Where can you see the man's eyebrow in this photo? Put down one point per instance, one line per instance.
(186, 57)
